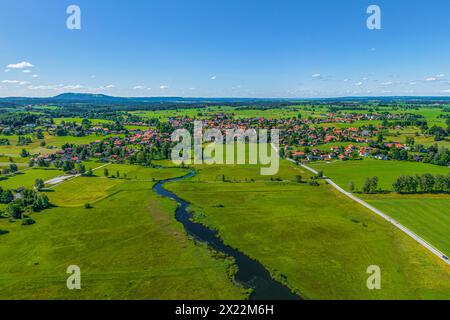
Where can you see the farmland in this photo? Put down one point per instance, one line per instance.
(308, 228)
(128, 246)
(427, 215)
(313, 240)
(343, 172)
(178, 152)
(28, 177)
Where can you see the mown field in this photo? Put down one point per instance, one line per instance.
(128, 246)
(318, 241)
(28, 177)
(426, 215)
(342, 172)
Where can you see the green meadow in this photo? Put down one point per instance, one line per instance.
(79, 120)
(314, 239)
(342, 172)
(52, 144)
(239, 113)
(128, 246)
(28, 177)
(426, 215)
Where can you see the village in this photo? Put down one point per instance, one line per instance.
(300, 139)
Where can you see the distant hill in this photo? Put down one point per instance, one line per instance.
(92, 100)
(80, 96)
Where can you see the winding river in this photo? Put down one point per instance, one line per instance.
(251, 274)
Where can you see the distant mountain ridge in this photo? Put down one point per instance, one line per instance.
(81, 96)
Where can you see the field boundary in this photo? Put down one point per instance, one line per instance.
(392, 221)
(63, 179)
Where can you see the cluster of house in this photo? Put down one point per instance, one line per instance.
(313, 136)
(343, 152)
(294, 132)
(352, 117)
(24, 129)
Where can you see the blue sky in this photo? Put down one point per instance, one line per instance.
(225, 48)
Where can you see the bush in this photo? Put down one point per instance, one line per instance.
(28, 222)
(88, 206)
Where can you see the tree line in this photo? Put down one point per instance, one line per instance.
(425, 183)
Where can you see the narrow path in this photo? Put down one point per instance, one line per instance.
(424, 243)
(58, 180)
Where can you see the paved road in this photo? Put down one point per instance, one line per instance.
(424, 243)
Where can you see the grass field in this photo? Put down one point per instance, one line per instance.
(128, 246)
(28, 177)
(82, 190)
(342, 172)
(319, 241)
(426, 215)
(79, 120)
(35, 148)
(274, 113)
(314, 239)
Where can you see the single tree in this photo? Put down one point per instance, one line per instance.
(24, 153)
(39, 184)
(351, 186)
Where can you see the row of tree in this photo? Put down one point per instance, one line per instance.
(425, 183)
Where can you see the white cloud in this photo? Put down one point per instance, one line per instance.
(73, 87)
(138, 87)
(387, 83)
(7, 70)
(35, 76)
(26, 71)
(316, 75)
(358, 84)
(441, 75)
(101, 88)
(16, 82)
(413, 83)
(41, 87)
(430, 79)
(163, 87)
(213, 77)
(20, 65)
(446, 91)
